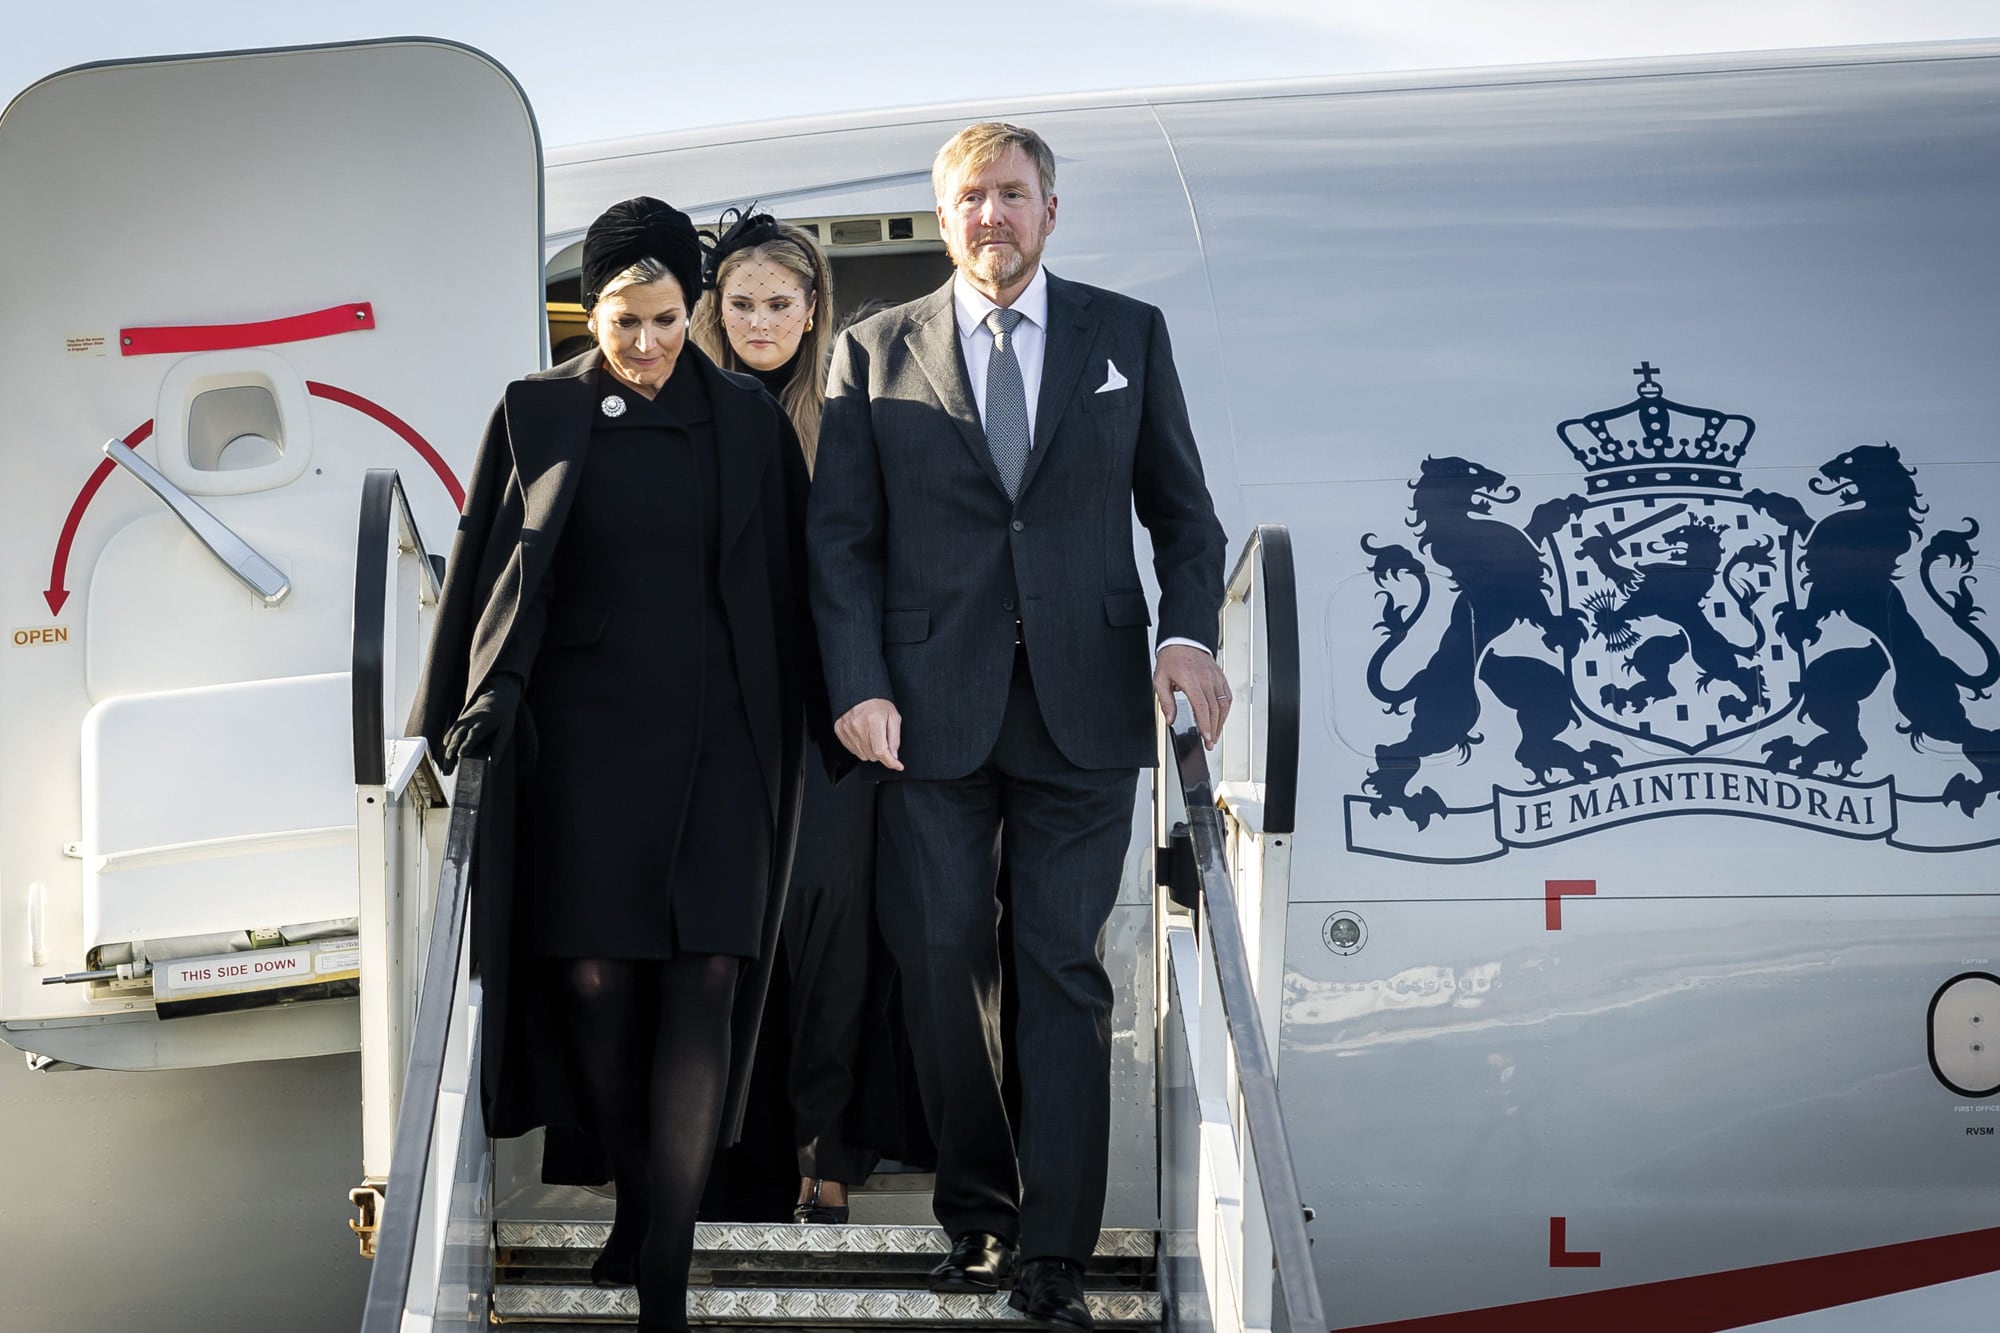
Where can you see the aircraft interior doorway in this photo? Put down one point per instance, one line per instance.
(878, 260)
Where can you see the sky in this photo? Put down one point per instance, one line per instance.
(595, 69)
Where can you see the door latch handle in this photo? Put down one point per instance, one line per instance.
(238, 556)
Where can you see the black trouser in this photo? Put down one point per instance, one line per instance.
(828, 941)
(1063, 831)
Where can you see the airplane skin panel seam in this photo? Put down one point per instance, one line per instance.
(1862, 56)
(1214, 309)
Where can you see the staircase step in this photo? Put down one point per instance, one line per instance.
(767, 1307)
(790, 1238)
(776, 1256)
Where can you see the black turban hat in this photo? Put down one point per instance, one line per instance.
(637, 229)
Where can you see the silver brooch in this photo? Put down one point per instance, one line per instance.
(612, 406)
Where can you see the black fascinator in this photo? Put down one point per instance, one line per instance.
(737, 229)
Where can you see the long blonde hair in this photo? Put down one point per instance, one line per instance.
(804, 395)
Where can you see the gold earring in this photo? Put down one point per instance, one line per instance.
(809, 323)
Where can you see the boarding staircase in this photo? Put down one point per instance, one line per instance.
(455, 1248)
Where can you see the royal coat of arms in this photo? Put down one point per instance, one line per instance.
(1673, 661)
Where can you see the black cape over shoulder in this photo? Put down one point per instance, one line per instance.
(526, 475)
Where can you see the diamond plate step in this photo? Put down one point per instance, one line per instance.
(755, 1255)
(821, 1307)
(791, 1238)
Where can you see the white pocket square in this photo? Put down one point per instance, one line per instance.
(1112, 379)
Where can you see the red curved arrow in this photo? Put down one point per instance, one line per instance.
(369, 408)
(56, 594)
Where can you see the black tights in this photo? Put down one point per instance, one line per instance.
(650, 1045)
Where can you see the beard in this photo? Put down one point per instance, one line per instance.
(1000, 265)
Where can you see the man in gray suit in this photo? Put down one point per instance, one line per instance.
(985, 640)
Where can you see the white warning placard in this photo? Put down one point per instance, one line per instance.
(256, 968)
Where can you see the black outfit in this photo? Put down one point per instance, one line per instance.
(830, 951)
(640, 568)
(834, 958)
(1062, 832)
(1010, 631)
(645, 515)
(775, 379)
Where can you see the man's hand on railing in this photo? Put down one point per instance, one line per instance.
(1198, 676)
(487, 723)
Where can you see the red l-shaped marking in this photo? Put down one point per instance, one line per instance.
(1562, 1256)
(1553, 891)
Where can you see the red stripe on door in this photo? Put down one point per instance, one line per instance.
(1713, 1302)
(349, 318)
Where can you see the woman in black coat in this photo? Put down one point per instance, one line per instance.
(623, 634)
(768, 315)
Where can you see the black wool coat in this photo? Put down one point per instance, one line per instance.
(525, 477)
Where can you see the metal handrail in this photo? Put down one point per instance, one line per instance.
(384, 507)
(241, 559)
(1256, 1073)
(1266, 564)
(423, 1078)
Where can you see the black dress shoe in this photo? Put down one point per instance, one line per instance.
(979, 1261)
(812, 1210)
(614, 1270)
(1049, 1292)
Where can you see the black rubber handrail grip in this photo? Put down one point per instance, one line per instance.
(416, 1116)
(383, 505)
(1271, 547)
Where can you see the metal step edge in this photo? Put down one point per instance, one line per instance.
(604, 1326)
(764, 1306)
(792, 1238)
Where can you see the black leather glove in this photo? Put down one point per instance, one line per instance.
(487, 724)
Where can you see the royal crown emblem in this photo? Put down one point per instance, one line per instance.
(1654, 441)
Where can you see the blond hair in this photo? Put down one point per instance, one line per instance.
(976, 146)
(804, 394)
(642, 273)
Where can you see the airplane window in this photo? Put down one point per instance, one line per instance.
(1965, 1018)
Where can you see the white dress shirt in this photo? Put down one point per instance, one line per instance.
(1031, 337)
(1031, 341)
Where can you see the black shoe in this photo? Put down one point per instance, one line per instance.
(812, 1210)
(1049, 1292)
(614, 1270)
(979, 1261)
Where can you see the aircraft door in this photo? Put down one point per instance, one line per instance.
(265, 273)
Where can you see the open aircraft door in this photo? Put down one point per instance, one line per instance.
(265, 274)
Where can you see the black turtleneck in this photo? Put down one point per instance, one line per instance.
(775, 380)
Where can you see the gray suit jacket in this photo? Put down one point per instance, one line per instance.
(920, 563)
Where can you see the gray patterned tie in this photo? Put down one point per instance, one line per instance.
(1006, 402)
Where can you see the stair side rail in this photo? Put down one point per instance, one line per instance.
(1223, 964)
(400, 811)
(438, 1103)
